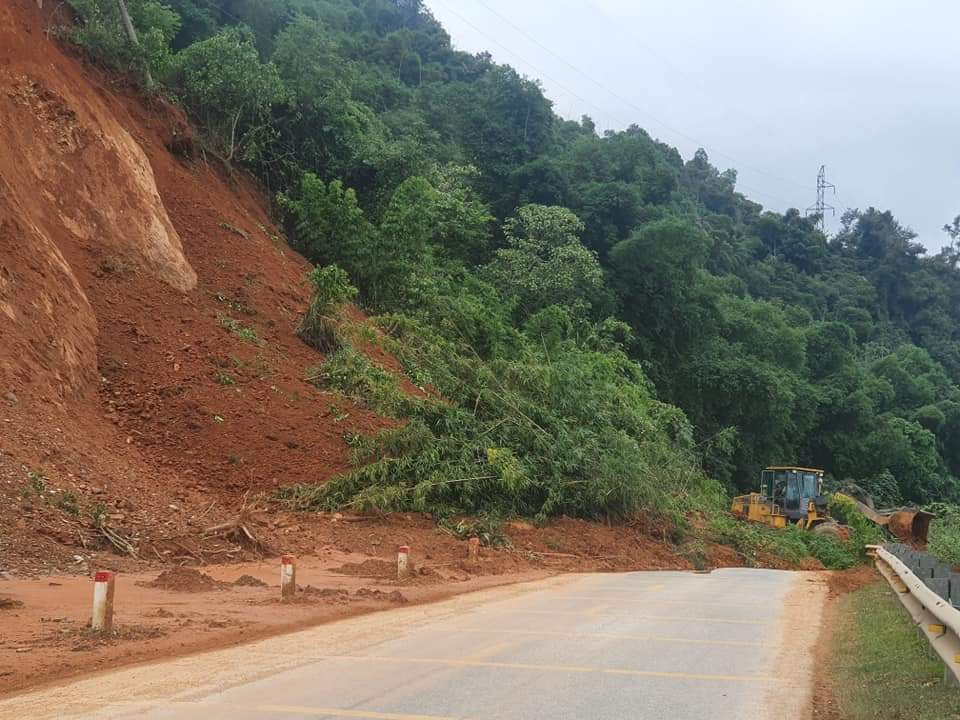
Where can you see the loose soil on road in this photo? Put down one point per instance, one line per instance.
(153, 393)
(165, 611)
(595, 670)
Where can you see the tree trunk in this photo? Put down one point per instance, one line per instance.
(132, 36)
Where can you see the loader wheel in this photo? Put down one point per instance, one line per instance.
(832, 529)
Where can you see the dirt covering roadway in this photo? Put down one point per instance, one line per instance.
(152, 388)
(165, 610)
(729, 645)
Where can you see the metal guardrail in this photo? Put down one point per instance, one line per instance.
(938, 576)
(936, 617)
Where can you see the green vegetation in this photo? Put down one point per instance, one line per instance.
(101, 31)
(224, 378)
(98, 515)
(67, 502)
(882, 667)
(551, 421)
(757, 544)
(863, 532)
(37, 480)
(240, 330)
(38, 487)
(945, 533)
(487, 528)
(353, 374)
(331, 289)
(607, 324)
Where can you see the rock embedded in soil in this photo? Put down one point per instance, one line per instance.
(183, 579)
(334, 594)
(10, 604)
(395, 597)
(249, 581)
(369, 568)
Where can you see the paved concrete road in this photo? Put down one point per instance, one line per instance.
(729, 645)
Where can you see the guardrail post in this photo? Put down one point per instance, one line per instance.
(941, 570)
(954, 589)
(940, 585)
(103, 587)
(949, 679)
(288, 578)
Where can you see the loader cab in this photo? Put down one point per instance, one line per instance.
(792, 488)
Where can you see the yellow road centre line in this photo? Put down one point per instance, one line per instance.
(633, 600)
(490, 650)
(552, 668)
(281, 709)
(610, 636)
(595, 611)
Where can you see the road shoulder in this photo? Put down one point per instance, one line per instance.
(803, 608)
(197, 674)
(876, 663)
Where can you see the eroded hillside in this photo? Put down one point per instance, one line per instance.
(147, 316)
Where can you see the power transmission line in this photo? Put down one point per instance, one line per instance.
(820, 207)
(630, 103)
(214, 6)
(752, 191)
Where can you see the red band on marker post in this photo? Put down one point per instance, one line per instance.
(103, 585)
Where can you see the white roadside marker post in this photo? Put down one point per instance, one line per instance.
(103, 586)
(403, 561)
(288, 578)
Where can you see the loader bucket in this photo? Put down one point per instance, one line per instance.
(910, 526)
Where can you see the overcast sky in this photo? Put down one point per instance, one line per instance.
(772, 88)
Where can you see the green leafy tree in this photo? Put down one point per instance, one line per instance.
(332, 131)
(658, 272)
(403, 240)
(331, 290)
(525, 249)
(463, 223)
(223, 84)
(545, 263)
(328, 225)
(100, 29)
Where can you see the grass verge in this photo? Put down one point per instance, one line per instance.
(883, 668)
(945, 534)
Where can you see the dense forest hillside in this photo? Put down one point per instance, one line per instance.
(599, 324)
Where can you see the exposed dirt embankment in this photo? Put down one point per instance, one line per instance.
(153, 392)
(347, 567)
(149, 369)
(72, 176)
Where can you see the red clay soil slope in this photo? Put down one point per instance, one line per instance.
(150, 375)
(152, 390)
(148, 363)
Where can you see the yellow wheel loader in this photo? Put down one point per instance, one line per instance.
(794, 495)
